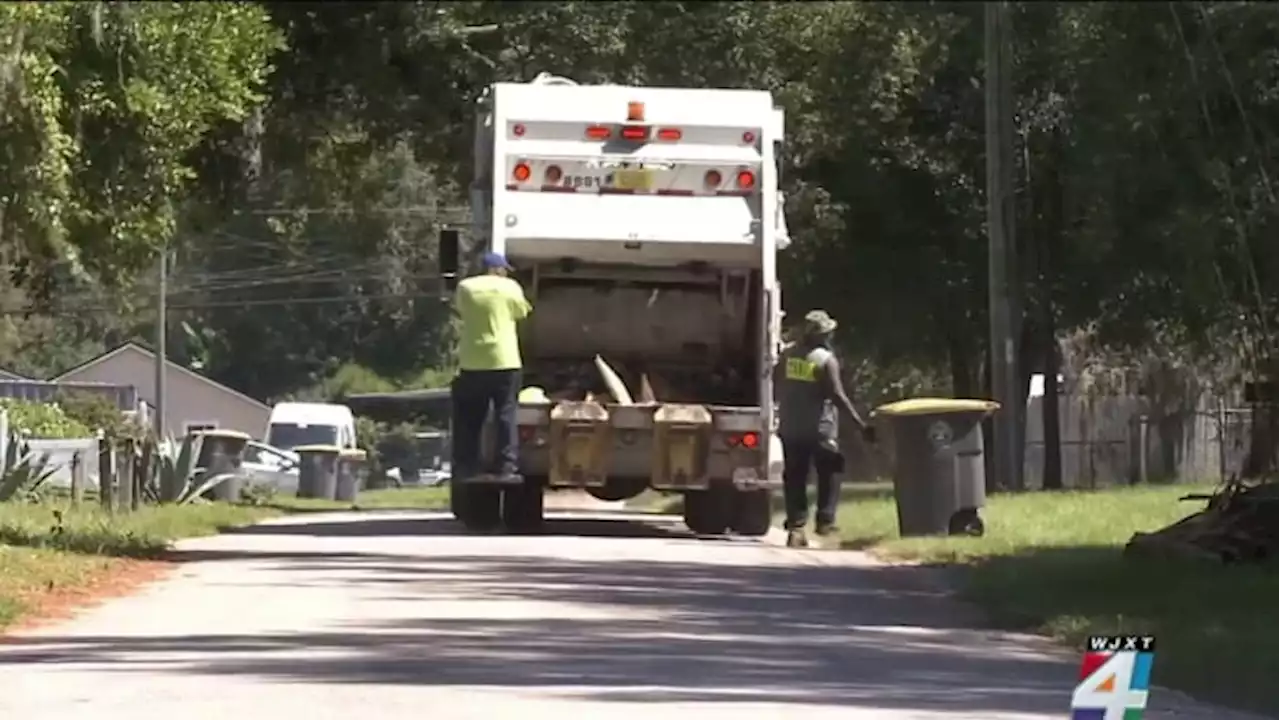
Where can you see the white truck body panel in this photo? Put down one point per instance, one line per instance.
(633, 181)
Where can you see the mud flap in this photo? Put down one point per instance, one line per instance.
(681, 442)
(580, 438)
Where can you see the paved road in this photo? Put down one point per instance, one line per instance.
(396, 615)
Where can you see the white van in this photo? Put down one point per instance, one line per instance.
(294, 424)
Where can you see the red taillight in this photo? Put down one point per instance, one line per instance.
(748, 138)
(746, 179)
(598, 132)
(517, 130)
(712, 179)
(521, 172)
(750, 440)
(732, 440)
(554, 174)
(635, 132)
(670, 134)
(526, 433)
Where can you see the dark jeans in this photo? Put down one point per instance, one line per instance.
(472, 393)
(799, 456)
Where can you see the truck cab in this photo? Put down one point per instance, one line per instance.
(643, 224)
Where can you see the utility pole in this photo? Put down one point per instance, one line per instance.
(162, 314)
(1001, 258)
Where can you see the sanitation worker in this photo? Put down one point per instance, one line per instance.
(490, 306)
(811, 396)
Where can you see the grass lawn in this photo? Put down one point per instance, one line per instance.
(53, 552)
(1052, 562)
(406, 498)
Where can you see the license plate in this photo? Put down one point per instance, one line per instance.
(584, 181)
(632, 179)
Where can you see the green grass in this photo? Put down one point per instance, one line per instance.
(52, 546)
(1053, 563)
(407, 498)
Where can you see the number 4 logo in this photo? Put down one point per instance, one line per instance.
(1114, 687)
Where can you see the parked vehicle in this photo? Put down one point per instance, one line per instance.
(294, 425)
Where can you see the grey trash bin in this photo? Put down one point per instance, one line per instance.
(221, 453)
(318, 471)
(350, 474)
(939, 479)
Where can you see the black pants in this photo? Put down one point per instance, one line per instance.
(472, 393)
(799, 456)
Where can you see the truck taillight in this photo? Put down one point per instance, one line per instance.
(748, 138)
(712, 179)
(598, 132)
(635, 132)
(521, 172)
(748, 440)
(670, 134)
(554, 174)
(746, 179)
(517, 130)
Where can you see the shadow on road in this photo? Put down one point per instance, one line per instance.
(703, 627)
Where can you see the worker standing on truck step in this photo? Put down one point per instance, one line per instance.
(490, 306)
(810, 397)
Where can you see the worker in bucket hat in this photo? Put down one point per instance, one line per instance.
(811, 396)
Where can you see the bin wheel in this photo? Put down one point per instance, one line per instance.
(752, 512)
(477, 507)
(522, 507)
(710, 511)
(967, 522)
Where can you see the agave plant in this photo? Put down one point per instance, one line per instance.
(174, 475)
(24, 471)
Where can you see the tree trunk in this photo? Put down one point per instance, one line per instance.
(1052, 472)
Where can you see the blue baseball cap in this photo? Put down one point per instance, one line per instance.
(496, 260)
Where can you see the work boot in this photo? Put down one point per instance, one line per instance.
(825, 529)
(797, 539)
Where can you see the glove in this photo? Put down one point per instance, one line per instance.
(869, 434)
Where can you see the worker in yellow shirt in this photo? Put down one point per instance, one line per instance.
(489, 306)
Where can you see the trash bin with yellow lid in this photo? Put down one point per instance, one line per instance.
(318, 471)
(351, 467)
(939, 478)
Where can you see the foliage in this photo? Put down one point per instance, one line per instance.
(96, 411)
(23, 471)
(174, 476)
(43, 420)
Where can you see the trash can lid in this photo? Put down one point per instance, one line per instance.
(533, 394)
(935, 406)
(318, 449)
(229, 434)
(354, 454)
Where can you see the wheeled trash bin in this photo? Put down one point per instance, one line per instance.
(318, 471)
(221, 453)
(351, 465)
(939, 478)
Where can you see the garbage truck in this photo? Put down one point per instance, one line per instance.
(644, 225)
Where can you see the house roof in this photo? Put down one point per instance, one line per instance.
(168, 363)
(8, 375)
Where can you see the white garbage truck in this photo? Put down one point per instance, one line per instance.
(643, 224)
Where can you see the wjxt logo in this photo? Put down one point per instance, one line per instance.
(1122, 643)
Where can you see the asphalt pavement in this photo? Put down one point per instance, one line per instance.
(394, 615)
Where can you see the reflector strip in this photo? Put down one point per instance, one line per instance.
(616, 191)
(676, 192)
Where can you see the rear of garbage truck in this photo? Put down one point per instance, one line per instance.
(643, 224)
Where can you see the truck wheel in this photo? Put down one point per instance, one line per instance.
(522, 507)
(752, 512)
(708, 512)
(479, 507)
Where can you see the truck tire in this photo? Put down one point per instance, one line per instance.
(522, 507)
(708, 512)
(478, 507)
(752, 513)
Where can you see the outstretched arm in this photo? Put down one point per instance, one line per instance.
(835, 390)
